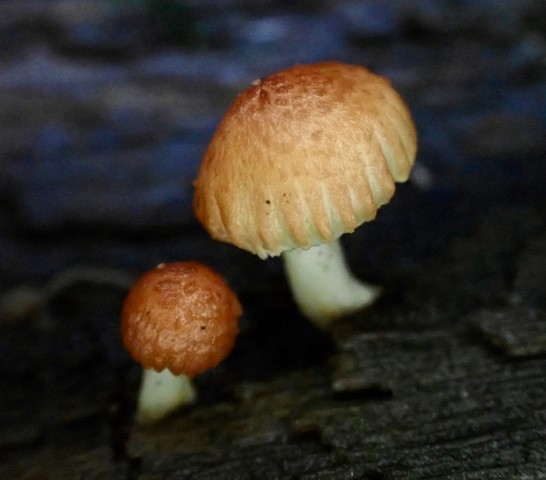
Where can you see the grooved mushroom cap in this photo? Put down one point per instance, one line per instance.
(303, 156)
(181, 316)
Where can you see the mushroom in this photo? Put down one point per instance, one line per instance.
(178, 320)
(300, 158)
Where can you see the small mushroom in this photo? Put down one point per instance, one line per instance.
(300, 158)
(178, 320)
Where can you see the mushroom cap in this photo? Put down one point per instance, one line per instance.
(181, 316)
(304, 156)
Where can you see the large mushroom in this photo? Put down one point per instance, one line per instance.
(300, 158)
(178, 320)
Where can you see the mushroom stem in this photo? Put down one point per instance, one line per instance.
(161, 393)
(323, 286)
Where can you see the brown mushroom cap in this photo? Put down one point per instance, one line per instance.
(181, 316)
(303, 156)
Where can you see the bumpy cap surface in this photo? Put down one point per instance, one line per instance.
(303, 156)
(181, 316)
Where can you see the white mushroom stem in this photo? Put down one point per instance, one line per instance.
(161, 393)
(322, 285)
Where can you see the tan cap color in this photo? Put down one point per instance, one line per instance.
(304, 156)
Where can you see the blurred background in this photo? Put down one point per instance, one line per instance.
(106, 107)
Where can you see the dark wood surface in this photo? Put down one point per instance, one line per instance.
(105, 111)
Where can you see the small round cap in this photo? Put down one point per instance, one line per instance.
(303, 156)
(181, 316)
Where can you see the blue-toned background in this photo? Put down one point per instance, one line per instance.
(106, 107)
